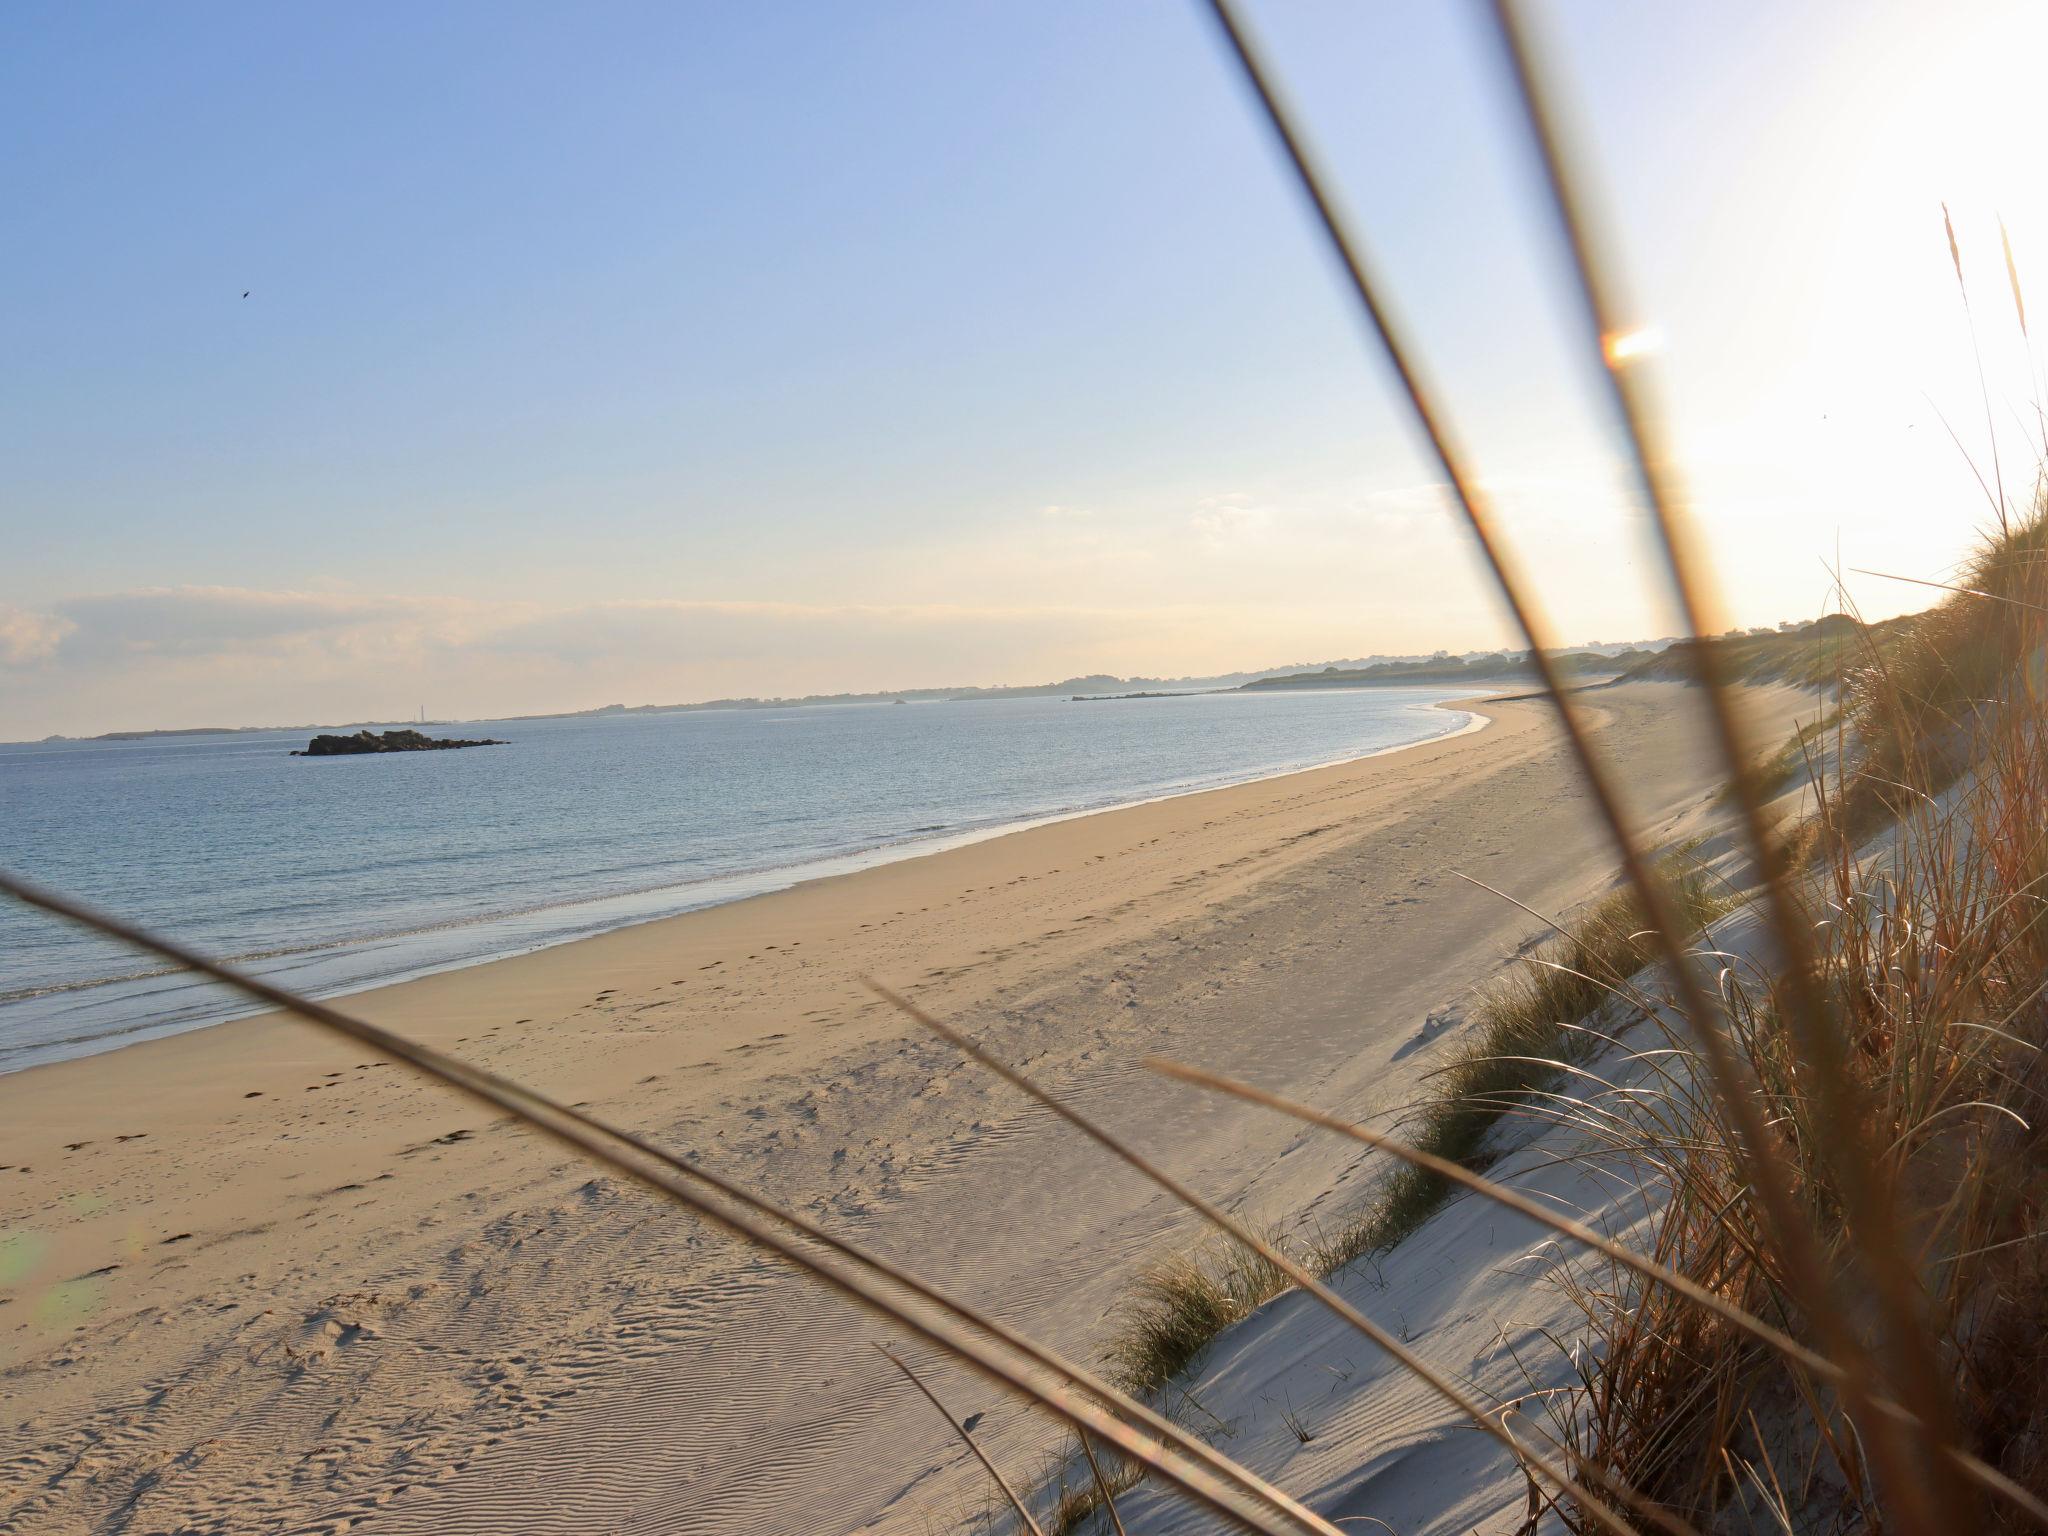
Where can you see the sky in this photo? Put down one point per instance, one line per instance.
(503, 358)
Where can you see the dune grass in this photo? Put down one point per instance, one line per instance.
(1810, 656)
(1795, 759)
(1932, 962)
(1928, 872)
(1521, 1039)
(1521, 1036)
(1181, 1304)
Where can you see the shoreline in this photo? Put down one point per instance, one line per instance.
(242, 1247)
(730, 889)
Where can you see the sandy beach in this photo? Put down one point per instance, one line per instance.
(256, 1281)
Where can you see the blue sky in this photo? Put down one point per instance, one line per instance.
(655, 352)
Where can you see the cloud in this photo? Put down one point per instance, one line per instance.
(196, 655)
(704, 632)
(26, 638)
(1223, 520)
(211, 621)
(199, 621)
(1404, 506)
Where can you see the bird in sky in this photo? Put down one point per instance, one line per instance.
(245, 293)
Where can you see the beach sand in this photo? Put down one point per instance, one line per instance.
(252, 1279)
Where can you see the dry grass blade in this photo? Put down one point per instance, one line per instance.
(1246, 1500)
(2012, 276)
(1955, 256)
(1102, 1489)
(1500, 1194)
(2019, 307)
(1453, 1394)
(1767, 1165)
(967, 1438)
(1694, 1002)
(1944, 586)
(1917, 1474)
(1984, 1476)
(1972, 1467)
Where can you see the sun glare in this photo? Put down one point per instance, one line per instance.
(1621, 346)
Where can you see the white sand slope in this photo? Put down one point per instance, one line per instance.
(308, 1294)
(1481, 1293)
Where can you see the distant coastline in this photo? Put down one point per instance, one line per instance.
(1658, 658)
(1365, 671)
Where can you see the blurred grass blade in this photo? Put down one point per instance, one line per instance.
(1565, 1226)
(1651, 891)
(2019, 307)
(1955, 255)
(1483, 1418)
(1730, 1074)
(967, 1438)
(2012, 276)
(1246, 1500)
(1102, 1488)
(1944, 586)
(1925, 1490)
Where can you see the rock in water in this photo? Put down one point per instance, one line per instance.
(365, 742)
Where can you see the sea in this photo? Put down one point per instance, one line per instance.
(330, 875)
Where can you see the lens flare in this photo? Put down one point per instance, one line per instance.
(1622, 346)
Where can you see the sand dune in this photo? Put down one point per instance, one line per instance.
(257, 1281)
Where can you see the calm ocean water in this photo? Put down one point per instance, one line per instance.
(336, 874)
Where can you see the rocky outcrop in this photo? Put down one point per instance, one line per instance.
(366, 742)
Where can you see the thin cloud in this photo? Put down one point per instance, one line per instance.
(223, 655)
(1222, 520)
(199, 621)
(27, 637)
